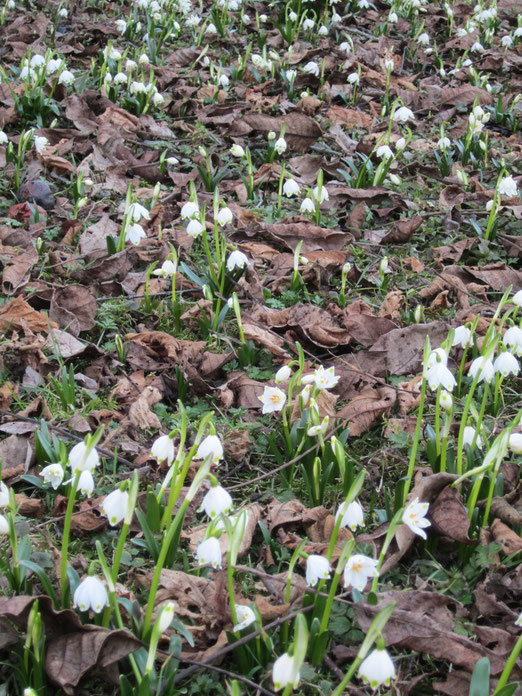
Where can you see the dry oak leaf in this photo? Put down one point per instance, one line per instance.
(297, 228)
(18, 314)
(74, 307)
(449, 516)
(350, 117)
(291, 514)
(502, 534)
(367, 408)
(315, 323)
(268, 339)
(300, 130)
(140, 414)
(401, 230)
(17, 271)
(409, 395)
(453, 252)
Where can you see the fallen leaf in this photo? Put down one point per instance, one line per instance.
(366, 409)
(18, 314)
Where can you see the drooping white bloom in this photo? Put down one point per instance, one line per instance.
(40, 143)
(423, 39)
(53, 474)
(166, 616)
(506, 41)
(414, 517)
(469, 435)
(443, 143)
(224, 216)
(245, 616)
(216, 501)
(210, 447)
(120, 78)
(515, 442)
(317, 430)
(209, 552)
(291, 188)
(134, 234)
(324, 194)
(86, 483)
(4, 495)
(158, 99)
(384, 152)
(517, 298)
(66, 78)
(194, 228)
(167, 270)
(91, 594)
(237, 151)
(445, 400)
(283, 374)
(237, 260)
(311, 68)
(353, 78)
(393, 18)
(121, 25)
(358, 569)
(163, 449)
(189, 210)
(114, 506)
(137, 212)
(377, 669)
(282, 672)
(325, 379)
(352, 517)
(144, 59)
(273, 399)
(307, 206)
(3, 138)
(308, 24)
(483, 367)
(513, 339)
(317, 568)
(440, 375)
(403, 114)
(462, 336)
(80, 461)
(507, 186)
(130, 65)
(4, 525)
(506, 364)
(280, 146)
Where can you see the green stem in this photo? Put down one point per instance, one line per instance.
(509, 666)
(347, 679)
(65, 538)
(416, 440)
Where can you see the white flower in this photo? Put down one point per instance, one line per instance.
(291, 188)
(237, 260)
(134, 234)
(273, 399)
(445, 400)
(440, 375)
(79, 461)
(377, 669)
(403, 114)
(27, 73)
(322, 31)
(211, 446)
(363, 4)
(400, 144)
(320, 429)
(517, 298)
(40, 143)
(37, 61)
(443, 143)
(311, 68)
(462, 336)
(223, 80)
(384, 152)
(245, 616)
(53, 474)
(325, 379)
(143, 59)
(121, 25)
(507, 186)
(292, 16)
(506, 364)
(317, 568)
(324, 193)
(224, 216)
(477, 47)
(308, 24)
(3, 138)
(291, 75)
(4, 526)
(166, 616)
(209, 552)
(307, 206)
(194, 228)
(515, 442)
(483, 367)
(389, 64)
(189, 209)
(283, 374)
(210, 29)
(120, 78)
(216, 501)
(394, 179)
(353, 78)
(114, 506)
(66, 78)
(357, 571)
(280, 146)
(91, 594)
(469, 436)
(4, 495)
(345, 47)
(506, 41)
(352, 517)
(130, 65)
(237, 151)
(167, 270)
(513, 340)
(393, 18)
(86, 483)
(158, 99)
(283, 672)
(137, 212)
(163, 449)
(415, 517)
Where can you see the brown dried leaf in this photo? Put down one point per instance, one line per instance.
(140, 414)
(449, 517)
(18, 314)
(366, 409)
(401, 230)
(350, 117)
(502, 534)
(74, 308)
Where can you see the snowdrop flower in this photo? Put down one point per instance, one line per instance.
(320, 429)
(138, 212)
(4, 526)
(377, 669)
(352, 517)
(194, 228)
(189, 210)
(66, 78)
(167, 270)
(513, 340)
(27, 73)
(445, 400)
(363, 4)
(440, 375)
(400, 144)
(506, 364)
(317, 568)
(53, 474)
(311, 68)
(322, 31)
(438, 355)
(130, 65)
(394, 179)
(144, 59)
(209, 552)
(86, 483)
(508, 186)
(358, 569)
(79, 461)
(245, 616)
(477, 47)
(307, 206)
(462, 336)
(291, 75)
(353, 78)
(483, 367)
(91, 594)
(384, 152)
(134, 234)
(211, 29)
(443, 143)
(291, 188)
(393, 18)
(273, 399)
(120, 78)
(308, 24)
(158, 99)
(423, 39)
(62, 12)
(346, 47)
(324, 193)
(3, 138)
(121, 25)
(163, 449)
(210, 447)
(292, 16)
(517, 298)
(515, 442)
(280, 146)
(237, 151)
(114, 506)
(223, 80)
(403, 114)
(225, 216)
(282, 672)
(389, 64)
(236, 260)
(517, 33)
(283, 374)
(37, 61)
(40, 143)
(4, 495)
(216, 501)
(325, 379)
(415, 517)
(469, 436)
(506, 41)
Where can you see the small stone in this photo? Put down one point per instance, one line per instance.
(38, 191)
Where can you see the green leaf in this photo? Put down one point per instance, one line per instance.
(479, 685)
